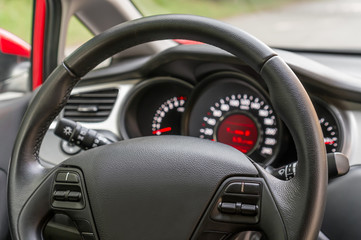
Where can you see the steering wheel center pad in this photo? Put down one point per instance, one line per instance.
(160, 186)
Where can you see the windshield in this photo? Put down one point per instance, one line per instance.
(306, 24)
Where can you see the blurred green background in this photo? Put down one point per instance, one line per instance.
(16, 15)
(210, 8)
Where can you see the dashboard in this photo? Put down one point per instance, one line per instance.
(227, 107)
(208, 94)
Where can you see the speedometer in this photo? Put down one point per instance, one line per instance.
(242, 121)
(233, 110)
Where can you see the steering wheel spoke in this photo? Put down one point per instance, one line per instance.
(242, 204)
(35, 212)
(69, 197)
(61, 191)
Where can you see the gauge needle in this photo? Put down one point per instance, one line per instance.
(329, 142)
(162, 130)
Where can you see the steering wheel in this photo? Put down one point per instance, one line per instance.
(173, 187)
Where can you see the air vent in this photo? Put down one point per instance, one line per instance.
(91, 106)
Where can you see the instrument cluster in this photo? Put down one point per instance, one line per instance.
(230, 108)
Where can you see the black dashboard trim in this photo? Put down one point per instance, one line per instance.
(329, 81)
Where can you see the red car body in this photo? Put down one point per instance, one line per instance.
(13, 50)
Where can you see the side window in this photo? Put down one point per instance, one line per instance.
(77, 34)
(15, 37)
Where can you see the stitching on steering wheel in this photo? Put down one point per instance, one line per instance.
(55, 112)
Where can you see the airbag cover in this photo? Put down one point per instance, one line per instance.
(156, 187)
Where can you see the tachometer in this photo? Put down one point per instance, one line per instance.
(155, 107)
(166, 120)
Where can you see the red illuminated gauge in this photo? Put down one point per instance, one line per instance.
(239, 131)
(245, 122)
(235, 110)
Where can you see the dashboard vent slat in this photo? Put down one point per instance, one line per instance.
(91, 106)
(86, 114)
(90, 101)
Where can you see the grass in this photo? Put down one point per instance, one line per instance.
(16, 17)
(210, 8)
(77, 33)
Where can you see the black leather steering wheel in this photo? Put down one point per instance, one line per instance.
(173, 187)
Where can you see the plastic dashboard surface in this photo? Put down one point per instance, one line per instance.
(201, 91)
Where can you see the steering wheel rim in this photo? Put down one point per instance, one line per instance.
(299, 202)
